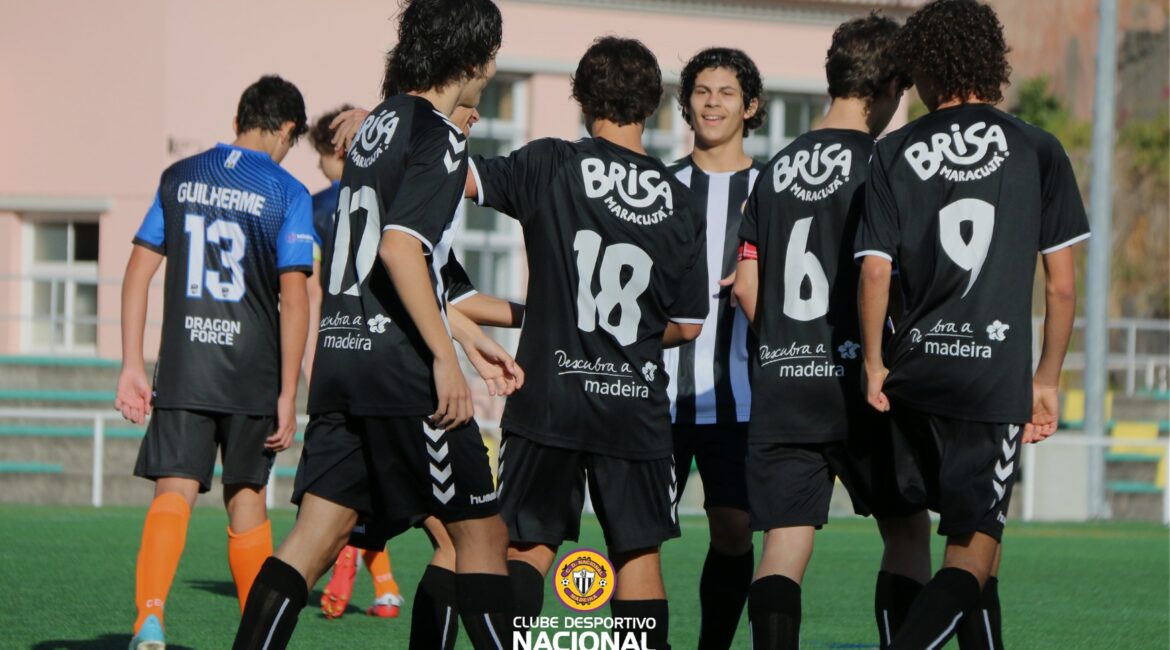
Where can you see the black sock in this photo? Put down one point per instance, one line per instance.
(486, 609)
(527, 588)
(892, 599)
(774, 613)
(983, 628)
(657, 637)
(275, 601)
(434, 619)
(938, 610)
(723, 590)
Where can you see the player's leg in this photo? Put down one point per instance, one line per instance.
(281, 589)
(905, 568)
(727, 569)
(463, 496)
(976, 467)
(638, 512)
(542, 491)
(331, 487)
(178, 453)
(789, 489)
(983, 628)
(434, 619)
(387, 598)
(246, 466)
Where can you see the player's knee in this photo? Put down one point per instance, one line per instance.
(730, 534)
(184, 487)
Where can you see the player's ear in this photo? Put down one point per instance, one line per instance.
(286, 129)
(751, 109)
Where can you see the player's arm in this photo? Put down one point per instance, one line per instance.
(498, 369)
(1060, 303)
(315, 296)
(491, 311)
(402, 253)
(294, 328)
(747, 281)
(133, 393)
(873, 301)
(677, 334)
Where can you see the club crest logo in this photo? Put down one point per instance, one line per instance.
(584, 580)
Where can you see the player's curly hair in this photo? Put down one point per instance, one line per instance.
(746, 72)
(321, 136)
(618, 79)
(270, 102)
(862, 59)
(956, 47)
(441, 42)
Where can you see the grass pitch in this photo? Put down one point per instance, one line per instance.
(68, 583)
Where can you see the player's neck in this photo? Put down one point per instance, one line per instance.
(721, 157)
(445, 99)
(956, 101)
(850, 113)
(258, 140)
(628, 136)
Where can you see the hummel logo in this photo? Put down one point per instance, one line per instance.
(1008, 450)
(432, 433)
(438, 454)
(1002, 472)
(452, 165)
(456, 145)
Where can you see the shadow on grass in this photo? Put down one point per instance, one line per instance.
(104, 642)
(217, 587)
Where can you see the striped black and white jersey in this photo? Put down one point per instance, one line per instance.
(709, 376)
(405, 171)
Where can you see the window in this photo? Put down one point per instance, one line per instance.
(490, 243)
(61, 284)
(789, 115)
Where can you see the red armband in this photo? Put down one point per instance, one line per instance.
(747, 251)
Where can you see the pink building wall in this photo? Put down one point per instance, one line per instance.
(100, 97)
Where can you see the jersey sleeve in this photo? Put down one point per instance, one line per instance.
(419, 208)
(152, 233)
(459, 286)
(512, 184)
(1063, 221)
(692, 302)
(296, 241)
(878, 234)
(749, 225)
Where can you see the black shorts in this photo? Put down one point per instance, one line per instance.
(961, 469)
(542, 491)
(719, 452)
(182, 444)
(792, 484)
(395, 471)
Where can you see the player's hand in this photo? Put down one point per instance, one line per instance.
(498, 369)
(345, 127)
(286, 424)
(1045, 413)
(132, 397)
(875, 378)
(455, 408)
(727, 283)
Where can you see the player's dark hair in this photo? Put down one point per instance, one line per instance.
(957, 48)
(269, 103)
(746, 72)
(441, 42)
(862, 59)
(618, 79)
(321, 136)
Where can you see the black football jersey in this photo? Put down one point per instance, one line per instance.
(230, 221)
(962, 200)
(615, 251)
(709, 376)
(404, 171)
(803, 218)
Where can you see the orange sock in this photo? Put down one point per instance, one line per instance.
(163, 536)
(378, 562)
(246, 553)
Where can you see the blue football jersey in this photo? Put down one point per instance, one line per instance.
(230, 221)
